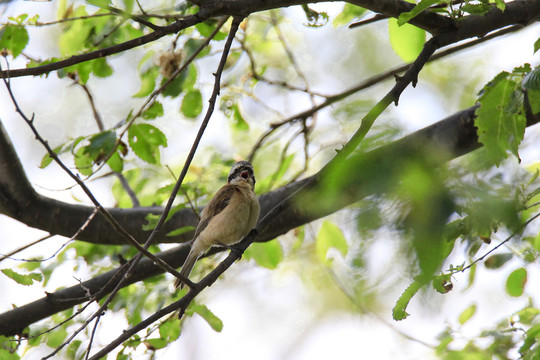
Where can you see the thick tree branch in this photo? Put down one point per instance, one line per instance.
(456, 135)
(517, 12)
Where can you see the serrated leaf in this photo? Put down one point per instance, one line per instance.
(23, 279)
(500, 118)
(421, 6)
(155, 110)
(330, 236)
(406, 40)
(515, 283)
(467, 314)
(192, 104)
(399, 311)
(212, 320)
(14, 38)
(268, 254)
(145, 140)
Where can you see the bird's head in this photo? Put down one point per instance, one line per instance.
(242, 171)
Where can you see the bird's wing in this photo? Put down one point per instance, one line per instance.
(219, 202)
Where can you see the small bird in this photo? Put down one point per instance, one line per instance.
(228, 217)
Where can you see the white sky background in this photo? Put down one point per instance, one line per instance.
(267, 314)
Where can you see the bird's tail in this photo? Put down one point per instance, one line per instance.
(187, 267)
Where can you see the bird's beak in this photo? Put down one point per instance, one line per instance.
(245, 175)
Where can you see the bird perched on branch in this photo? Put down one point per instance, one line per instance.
(230, 215)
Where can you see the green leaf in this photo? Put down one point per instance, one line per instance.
(56, 337)
(192, 104)
(116, 162)
(536, 45)
(47, 159)
(99, 3)
(155, 344)
(83, 162)
(399, 311)
(23, 279)
(7, 355)
(192, 45)
(498, 260)
(500, 5)
(330, 236)
(145, 141)
(14, 38)
(349, 13)
(175, 87)
(189, 78)
(467, 314)
(530, 339)
(74, 39)
(267, 254)
(180, 231)
(170, 329)
(148, 82)
(532, 80)
(207, 28)
(240, 123)
(406, 40)
(212, 320)
(101, 68)
(421, 6)
(476, 9)
(100, 146)
(155, 110)
(500, 118)
(515, 283)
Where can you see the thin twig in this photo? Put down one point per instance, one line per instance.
(89, 347)
(152, 97)
(101, 127)
(10, 254)
(135, 18)
(79, 230)
(194, 288)
(331, 99)
(181, 24)
(499, 245)
(106, 214)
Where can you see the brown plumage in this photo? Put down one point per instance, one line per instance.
(228, 217)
